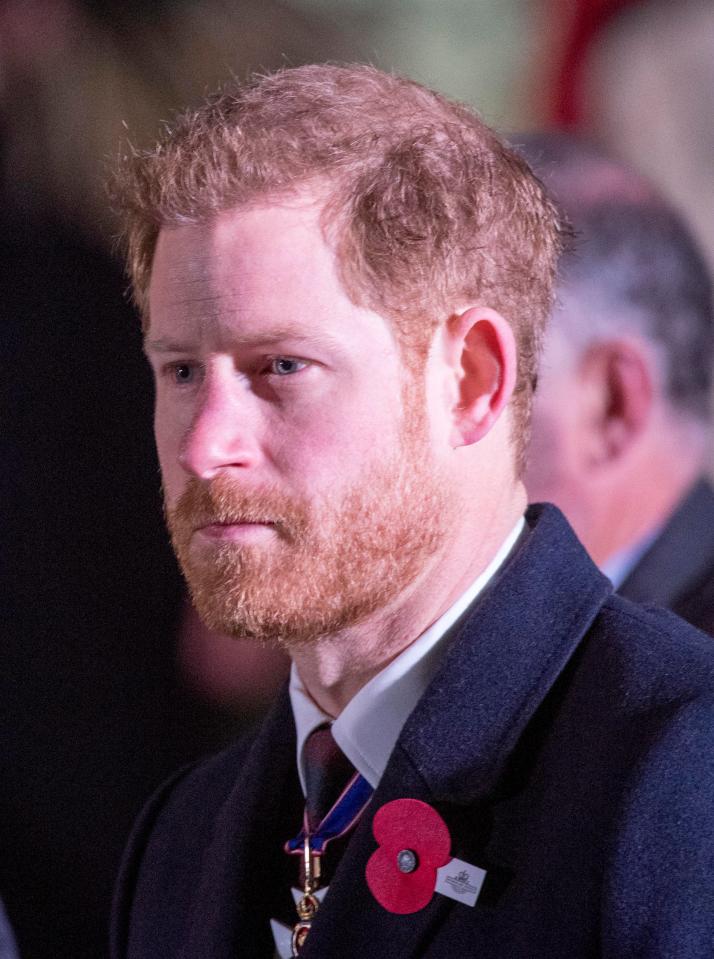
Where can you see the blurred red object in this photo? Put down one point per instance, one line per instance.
(582, 20)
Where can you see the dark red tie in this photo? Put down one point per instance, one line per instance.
(327, 772)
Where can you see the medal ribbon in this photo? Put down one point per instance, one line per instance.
(347, 809)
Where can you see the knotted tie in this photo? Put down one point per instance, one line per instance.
(327, 772)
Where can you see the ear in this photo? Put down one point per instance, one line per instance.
(482, 357)
(617, 377)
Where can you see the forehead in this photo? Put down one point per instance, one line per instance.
(236, 246)
(254, 271)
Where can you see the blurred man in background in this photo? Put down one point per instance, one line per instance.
(622, 412)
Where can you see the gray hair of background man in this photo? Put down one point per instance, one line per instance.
(634, 266)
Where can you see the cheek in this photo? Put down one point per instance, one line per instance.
(338, 438)
(168, 438)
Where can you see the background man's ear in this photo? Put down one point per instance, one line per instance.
(617, 382)
(483, 357)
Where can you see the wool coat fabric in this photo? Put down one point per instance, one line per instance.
(8, 948)
(567, 742)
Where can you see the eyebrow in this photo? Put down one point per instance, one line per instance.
(166, 345)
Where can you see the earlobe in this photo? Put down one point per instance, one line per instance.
(484, 360)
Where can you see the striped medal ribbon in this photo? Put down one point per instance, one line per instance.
(310, 846)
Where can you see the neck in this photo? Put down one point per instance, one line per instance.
(642, 498)
(336, 667)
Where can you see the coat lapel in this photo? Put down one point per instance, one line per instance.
(512, 646)
(456, 749)
(244, 870)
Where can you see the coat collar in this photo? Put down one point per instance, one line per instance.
(513, 645)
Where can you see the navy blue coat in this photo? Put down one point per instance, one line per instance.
(567, 741)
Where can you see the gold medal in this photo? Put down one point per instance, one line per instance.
(308, 905)
(310, 843)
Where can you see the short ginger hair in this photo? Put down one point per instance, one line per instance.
(429, 210)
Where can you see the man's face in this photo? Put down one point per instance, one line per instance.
(300, 486)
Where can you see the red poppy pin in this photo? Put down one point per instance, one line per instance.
(414, 842)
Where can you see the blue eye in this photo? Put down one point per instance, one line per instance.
(182, 373)
(285, 365)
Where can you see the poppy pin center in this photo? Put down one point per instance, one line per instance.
(407, 860)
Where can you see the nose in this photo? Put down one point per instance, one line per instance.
(222, 432)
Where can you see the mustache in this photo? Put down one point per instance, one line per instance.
(223, 501)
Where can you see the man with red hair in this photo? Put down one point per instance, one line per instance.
(344, 279)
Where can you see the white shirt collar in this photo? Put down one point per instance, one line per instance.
(368, 727)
